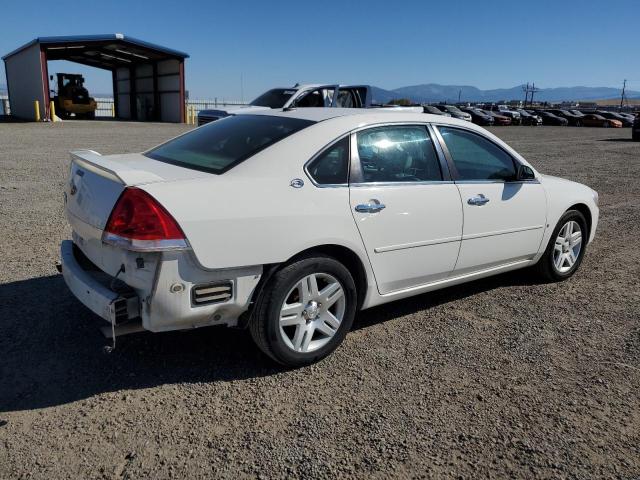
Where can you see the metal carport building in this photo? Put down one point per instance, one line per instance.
(148, 80)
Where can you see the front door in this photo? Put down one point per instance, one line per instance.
(409, 215)
(504, 219)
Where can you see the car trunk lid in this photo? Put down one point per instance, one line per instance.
(96, 182)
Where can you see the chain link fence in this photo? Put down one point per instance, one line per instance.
(198, 105)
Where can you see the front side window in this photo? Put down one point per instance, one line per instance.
(219, 146)
(398, 154)
(331, 167)
(476, 158)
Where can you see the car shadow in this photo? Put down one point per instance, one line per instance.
(617, 140)
(53, 352)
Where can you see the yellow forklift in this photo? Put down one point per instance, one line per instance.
(72, 97)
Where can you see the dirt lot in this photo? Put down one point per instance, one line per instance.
(499, 378)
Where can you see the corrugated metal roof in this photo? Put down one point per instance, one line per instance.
(88, 39)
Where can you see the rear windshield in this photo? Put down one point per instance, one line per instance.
(221, 145)
(275, 98)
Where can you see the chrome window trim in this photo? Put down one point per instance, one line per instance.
(320, 152)
(510, 182)
(394, 184)
(356, 171)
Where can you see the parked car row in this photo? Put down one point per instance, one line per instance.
(360, 96)
(503, 115)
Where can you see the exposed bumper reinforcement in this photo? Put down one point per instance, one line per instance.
(109, 305)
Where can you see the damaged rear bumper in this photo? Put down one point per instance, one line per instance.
(114, 307)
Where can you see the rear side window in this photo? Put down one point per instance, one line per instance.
(331, 167)
(398, 154)
(221, 145)
(476, 158)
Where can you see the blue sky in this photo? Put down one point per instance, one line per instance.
(487, 44)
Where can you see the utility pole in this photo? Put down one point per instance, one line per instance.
(526, 94)
(533, 90)
(459, 94)
(624, 85)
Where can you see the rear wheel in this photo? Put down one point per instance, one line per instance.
(305, 311)
(566, 248)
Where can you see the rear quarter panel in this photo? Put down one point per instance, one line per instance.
(251, 215)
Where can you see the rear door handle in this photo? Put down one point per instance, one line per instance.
(478, 200)
(373, 206)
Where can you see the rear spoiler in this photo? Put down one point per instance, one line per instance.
(117, 171)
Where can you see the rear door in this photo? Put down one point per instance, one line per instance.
(504, 219)
(407, 209)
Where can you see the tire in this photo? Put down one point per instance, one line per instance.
(548, 265)
(90, 116)
(304, 339)
(635, 136)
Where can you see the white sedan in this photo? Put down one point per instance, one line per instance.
(288, 222)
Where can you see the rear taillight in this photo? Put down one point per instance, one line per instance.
(138, 222)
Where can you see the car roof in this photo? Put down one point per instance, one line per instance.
(305, 86)
(362, 116)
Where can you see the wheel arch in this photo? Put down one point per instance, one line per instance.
(586, 212)
(350, 259)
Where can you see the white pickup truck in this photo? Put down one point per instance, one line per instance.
(301, 96)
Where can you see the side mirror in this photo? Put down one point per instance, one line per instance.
(525, 173)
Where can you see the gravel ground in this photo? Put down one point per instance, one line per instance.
(499, 378)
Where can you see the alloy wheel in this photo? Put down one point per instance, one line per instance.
(312, 312)
(567, 246)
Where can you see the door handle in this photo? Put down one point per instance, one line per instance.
(373, 206)
(478, 200)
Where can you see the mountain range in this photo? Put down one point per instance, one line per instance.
(433, 92)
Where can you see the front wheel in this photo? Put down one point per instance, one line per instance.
(305, 312)
(566, 248)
